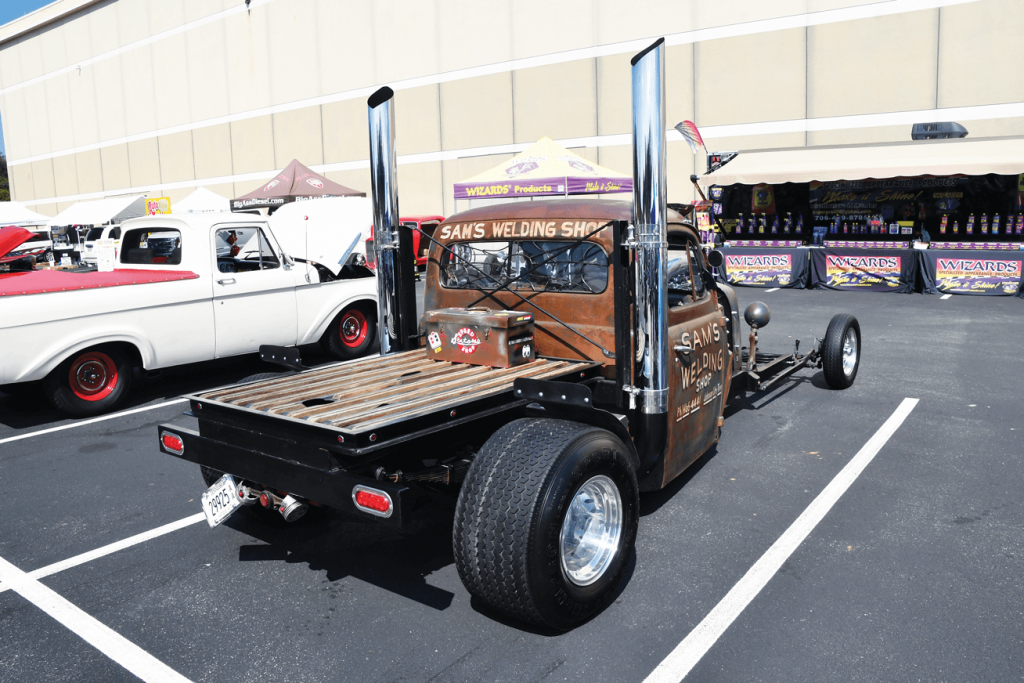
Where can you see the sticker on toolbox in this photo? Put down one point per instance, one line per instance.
(466, 340)
(434, 339)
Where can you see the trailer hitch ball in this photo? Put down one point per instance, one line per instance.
(757, 314)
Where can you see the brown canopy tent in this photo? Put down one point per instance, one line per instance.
(295, 182)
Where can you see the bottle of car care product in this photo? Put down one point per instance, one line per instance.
(943, 224)
(984, 224)
(1019, 229)
(800, 224)
(739, 224)
(956, 227)
(970, 224)
(995, 224)
(762, 224)
(775, 225)
(788, 225)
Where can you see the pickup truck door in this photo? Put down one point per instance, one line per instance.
(253, 291)
(699, 361)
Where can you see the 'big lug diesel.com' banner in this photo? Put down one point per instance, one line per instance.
(766, 267)
(972, 272)
(875, 270)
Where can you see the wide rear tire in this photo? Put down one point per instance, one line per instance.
(840, 351)
(90, 382)
(546, 521)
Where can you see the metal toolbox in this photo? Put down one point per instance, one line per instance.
(480, 336)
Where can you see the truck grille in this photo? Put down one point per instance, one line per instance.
(374, 392)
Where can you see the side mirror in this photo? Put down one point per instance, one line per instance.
(716, 259)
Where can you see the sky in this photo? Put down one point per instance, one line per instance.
(9, 11)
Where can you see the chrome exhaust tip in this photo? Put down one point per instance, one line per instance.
(292, 508)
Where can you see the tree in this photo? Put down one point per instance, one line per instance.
(5, 187)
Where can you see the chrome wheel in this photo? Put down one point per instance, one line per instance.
(591, 531)
(850, 351)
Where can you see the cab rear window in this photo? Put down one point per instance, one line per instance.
(146, 246)
(539, 266)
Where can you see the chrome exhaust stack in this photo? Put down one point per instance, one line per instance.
(396, 293)
(650, 212)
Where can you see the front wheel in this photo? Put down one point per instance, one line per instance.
(351, 333)
(546, 521)
(91, 382)
(840, 351)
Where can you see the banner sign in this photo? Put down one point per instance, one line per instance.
(875, 270)
(964, 272)
(158, 205)
(765, 268)
(893, 198)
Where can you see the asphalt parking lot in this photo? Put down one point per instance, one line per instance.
(914, 574)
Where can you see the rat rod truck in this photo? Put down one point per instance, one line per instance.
(573, 354)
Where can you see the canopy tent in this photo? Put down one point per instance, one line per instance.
(544, 168)
(293, 183)
(202, 201)
(824, 164)
(14, 213)
(101, 211)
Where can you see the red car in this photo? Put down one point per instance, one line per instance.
(420, 246)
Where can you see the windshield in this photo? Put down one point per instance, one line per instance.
(540, 266)
(94, 234)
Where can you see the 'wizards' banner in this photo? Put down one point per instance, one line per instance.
(972, 272)
(765, 267)
(875, 270)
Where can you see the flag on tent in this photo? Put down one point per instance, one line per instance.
(690, 133)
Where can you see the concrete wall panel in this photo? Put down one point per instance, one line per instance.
(207, 75)
(642, 20)
(357, 179)
(164, 16)
(58, 106)
(132, 20)
(294, 71)
(297, 136)
(116, 175)
(172, 82)
(557, 101)
(540, 27)
(406, 39)
(247, 63)
(83, 116)
(108, 81)
(15, 125)
(22, 186)
(977, 42)
(469, 37)
(139, 92)
(77, 41)
(417, 120)
(65, 176)
(419, 187)
(353, 20)
(49, 210)
(144, 162)
(103, 27)
(750, 78)
(873, 65)
(90, 171)
(211, 149)
(36, 123)
(477, 112)
(176, 162)
(52, 49)
(42, 178)
(252, 145)
(346, 131)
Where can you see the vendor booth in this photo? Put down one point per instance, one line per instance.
(294, 183)
(870, 213)
(202, 201)
(545, 169)
(69, 228)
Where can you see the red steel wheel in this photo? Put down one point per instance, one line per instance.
(93, 376)
(353, 328)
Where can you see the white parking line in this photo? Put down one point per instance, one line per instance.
(945, 296)
(40, 432)
(685, 656)
(106, 640)
(773, 289)
(111, 548)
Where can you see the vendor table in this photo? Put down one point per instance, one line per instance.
(765, 267)
(876, 270)
(977, 272)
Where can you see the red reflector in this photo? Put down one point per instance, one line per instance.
(264, 500)
(172, 442)
(373, 501)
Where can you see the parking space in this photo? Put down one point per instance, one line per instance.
(914, 574)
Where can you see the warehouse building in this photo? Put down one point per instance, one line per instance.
(110, 97)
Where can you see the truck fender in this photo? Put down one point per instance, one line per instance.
(320, 328)
(52, 357)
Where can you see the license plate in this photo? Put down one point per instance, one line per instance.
(221, 500)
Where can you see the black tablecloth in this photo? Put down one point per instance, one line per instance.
(876, 270)
(979, 272)
(765, 267)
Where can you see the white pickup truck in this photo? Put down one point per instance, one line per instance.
(185, 289)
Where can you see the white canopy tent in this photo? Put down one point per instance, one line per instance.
(202, 201)
(101, 211)
(14, 213)
(919, 158)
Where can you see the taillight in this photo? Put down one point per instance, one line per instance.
(173, 443)
(373, 501)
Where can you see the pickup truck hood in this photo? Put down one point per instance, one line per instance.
(11, 238)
